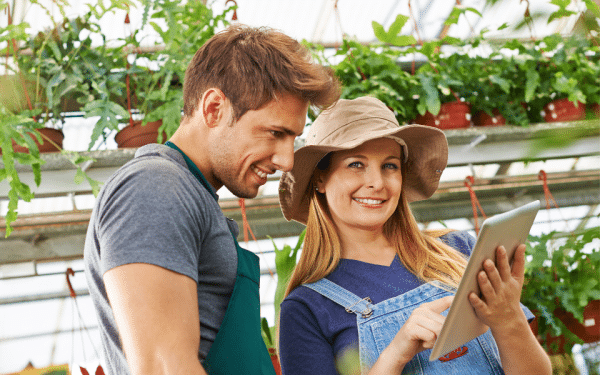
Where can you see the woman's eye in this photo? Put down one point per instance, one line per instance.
(355, 164)
(390, 166)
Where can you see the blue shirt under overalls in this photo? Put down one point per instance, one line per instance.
(316, 327)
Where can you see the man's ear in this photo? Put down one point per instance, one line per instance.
(213, 106)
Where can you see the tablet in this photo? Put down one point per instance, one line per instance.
(509, 230)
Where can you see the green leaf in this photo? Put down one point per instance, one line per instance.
(593, 7)
(391, 36)
(79, 176)
(264, 324)
(503, 26)
(432, 97)
(503, 83)
(531, 84)
(453, 17)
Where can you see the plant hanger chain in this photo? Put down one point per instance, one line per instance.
(543, 176)
(246, 228)
(75, 306)
(469, 182)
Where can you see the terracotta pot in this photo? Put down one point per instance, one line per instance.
(275, 360)
(595, 108)
(481, 118)
(552, 344)
(55, 135)
(589, 330)
(138, 135)
(453, 115)
(563, 110)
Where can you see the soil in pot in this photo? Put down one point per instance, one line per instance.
(481, 118)
(138, 135)
(563, 110)
(453, 115)
(55, 135)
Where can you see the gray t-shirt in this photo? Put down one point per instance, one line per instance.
(154, 210)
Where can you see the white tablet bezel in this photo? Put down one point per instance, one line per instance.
(509, 230)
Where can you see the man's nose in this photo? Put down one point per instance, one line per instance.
(283, 158)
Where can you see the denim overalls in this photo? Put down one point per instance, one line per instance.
(379, 323)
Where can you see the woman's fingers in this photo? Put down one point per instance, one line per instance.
(518, 266)
(502, 263)
(438, 305)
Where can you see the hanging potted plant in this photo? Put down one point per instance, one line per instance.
(183, 29)
(441, 93)
(374, 71)
(562, 286)
(560, 80)
(493, 92)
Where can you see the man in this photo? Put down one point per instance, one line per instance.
(173, 292)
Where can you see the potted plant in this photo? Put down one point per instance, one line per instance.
(54, 67)
(442, 91)
(285, 262)
(493, 92)
(183, 28)
(562, 287)
(374, 71)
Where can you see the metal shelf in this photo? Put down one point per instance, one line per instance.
(56, 236)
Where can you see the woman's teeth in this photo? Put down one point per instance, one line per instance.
(368, 201)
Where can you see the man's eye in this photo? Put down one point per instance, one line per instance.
(277, 133)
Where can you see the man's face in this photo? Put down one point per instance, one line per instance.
(257, 145)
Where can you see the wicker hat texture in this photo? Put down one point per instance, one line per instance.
(349, 124)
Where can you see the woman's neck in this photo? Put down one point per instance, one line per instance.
(366, 246)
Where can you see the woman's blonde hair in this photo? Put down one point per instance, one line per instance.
(420, 252)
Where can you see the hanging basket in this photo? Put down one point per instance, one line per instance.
(552, 344)
(55, 135)
(589, 330)
(595, 109)
(481, 118)
(453, 115)
(138, 135)
(561, 110)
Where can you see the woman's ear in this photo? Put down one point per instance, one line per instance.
(320, 183)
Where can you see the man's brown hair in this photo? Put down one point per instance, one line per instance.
(251, 66)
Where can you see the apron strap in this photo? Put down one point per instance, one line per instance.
(350, 301)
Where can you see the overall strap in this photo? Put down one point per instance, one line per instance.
(350, 301)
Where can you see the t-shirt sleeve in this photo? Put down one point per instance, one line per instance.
(145, 218)
(303, 348)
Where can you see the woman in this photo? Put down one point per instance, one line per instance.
(368, 279)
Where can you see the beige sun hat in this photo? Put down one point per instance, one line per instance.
(349, 124)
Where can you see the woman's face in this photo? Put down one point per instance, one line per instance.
(362, 186)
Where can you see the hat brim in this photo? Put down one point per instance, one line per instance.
(427, 158)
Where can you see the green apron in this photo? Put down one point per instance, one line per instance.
(238, 347)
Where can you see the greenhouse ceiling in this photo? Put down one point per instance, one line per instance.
(328, 21)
